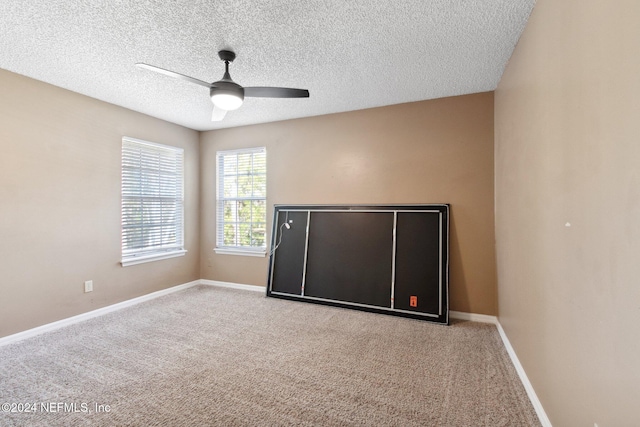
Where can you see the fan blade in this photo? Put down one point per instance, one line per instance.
(172, 74)
(218, 114)
(275, 92)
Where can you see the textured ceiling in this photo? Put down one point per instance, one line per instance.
(349, 54)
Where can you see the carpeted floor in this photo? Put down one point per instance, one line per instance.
(215, 356)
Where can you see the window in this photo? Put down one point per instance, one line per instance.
(152, 201)
(242, 202)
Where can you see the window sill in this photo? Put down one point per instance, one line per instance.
(152, 257)
(243, 252)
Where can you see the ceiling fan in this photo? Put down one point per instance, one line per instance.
(226, 94)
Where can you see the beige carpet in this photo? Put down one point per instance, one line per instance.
(213, 356)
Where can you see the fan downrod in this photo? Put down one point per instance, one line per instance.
(227, 55)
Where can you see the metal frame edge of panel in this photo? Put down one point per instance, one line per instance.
(291, 242)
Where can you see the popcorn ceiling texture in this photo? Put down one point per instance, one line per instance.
(350, 55)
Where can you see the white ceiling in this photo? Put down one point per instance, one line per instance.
(350, 54)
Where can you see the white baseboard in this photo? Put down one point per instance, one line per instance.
(243, 287)
(533, 397)
(91, 314)
(473, 317)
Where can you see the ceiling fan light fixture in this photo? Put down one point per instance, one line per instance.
(227, 95)
(226, 101)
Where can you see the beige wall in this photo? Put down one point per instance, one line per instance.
(60, 204)
(438, 151)
(567, 120)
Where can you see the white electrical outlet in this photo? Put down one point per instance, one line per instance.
(88, 286)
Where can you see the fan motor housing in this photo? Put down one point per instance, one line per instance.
(229, 88)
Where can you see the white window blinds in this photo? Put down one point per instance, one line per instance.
(242, 199)
(152, 200)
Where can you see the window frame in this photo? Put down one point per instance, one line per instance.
(164, 251)
(221, 248)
